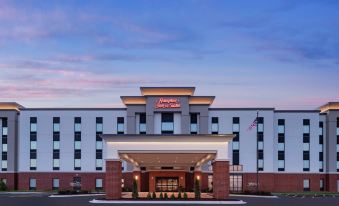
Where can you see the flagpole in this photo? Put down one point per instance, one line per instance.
(257, 152)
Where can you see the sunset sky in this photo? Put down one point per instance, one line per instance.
(282, 54)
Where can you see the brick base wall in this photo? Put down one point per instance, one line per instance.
(274, 182)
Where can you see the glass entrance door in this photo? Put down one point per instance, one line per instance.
(166, 184)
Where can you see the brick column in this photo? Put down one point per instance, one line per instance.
(221, 180)
(137, 177)
(113, 179)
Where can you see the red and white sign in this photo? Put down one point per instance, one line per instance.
(167, 103)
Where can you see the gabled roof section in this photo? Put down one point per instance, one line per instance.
(10, 106)
(164, 91)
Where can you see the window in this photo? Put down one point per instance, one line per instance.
(33, 145)
(4, 148)
(99, 128)
(98, 184)
(281, 129)
(77, 164)
(260, 127)
(99, 163)
(142, 123)
(4, 164)
(215, 125)
(194, 123)
(306, 184)
(281, 146)
(306, 123)
(32, 184)
(32, 163)
(260, 164)
(281, 165)
(167, 123)
(306, 146)
(56, 145)
(120, 125)
(33, 127)
(99, 145)
(77, 127)
(236, 128)
(260, 145)
(77, 145)
(235, 145)
(56, 127)
(55, 184)
(56, 163)
(306, 165)
(4, 131)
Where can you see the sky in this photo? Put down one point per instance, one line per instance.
(282, 54)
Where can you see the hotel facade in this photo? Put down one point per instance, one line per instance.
(165, 139)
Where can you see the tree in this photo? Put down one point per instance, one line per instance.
(135, 194)
(197, 192)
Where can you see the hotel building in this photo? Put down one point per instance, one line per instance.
(166, 138)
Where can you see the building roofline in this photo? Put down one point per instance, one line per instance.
(161, 91)
(297, 111)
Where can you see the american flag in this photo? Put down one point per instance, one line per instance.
(253, 125)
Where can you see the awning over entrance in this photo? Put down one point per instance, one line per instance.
(155, 151)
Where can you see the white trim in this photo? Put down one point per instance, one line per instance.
(176, 202)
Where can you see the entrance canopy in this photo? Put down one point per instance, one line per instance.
(158, 151)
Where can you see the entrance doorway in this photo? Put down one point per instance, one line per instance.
(167, 184)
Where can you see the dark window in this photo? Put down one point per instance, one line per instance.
(33, 136)
(33, 120)
(98, 120)
(321, 156)
(281, 155)
(260, 154)
(337, 156)
(167, 117)
(98, 155)
(337, 121)
(120, 120)
(4, 122)
(260, 137)
(77, 154)
(142, 118)
(56, 120)
(321, 124)
(56, 154)
(306, 122)
(235, 157)
(321, 139)
(306, 155)
(306, 138)
(194, 118)
(77, 136)
(281, 169)
(236, 120)
(281, 122)
(281, 138)
(4, 140)
(77, 120)
(4, 155)
(236, 138)
(260, 120)
(215, 120)
(56, 137)
(337, 139)
(32, 154)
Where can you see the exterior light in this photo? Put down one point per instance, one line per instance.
(136, 177)
(198, 177)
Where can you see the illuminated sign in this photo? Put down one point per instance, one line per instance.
(167, 103)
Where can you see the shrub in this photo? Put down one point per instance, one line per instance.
(166, 196)
(149, 196)
(161, 196)
(197, 192)
(3, 186)
(179, 195)
(185, 196)
(172, 196)
(154, 195)
(135, 194)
